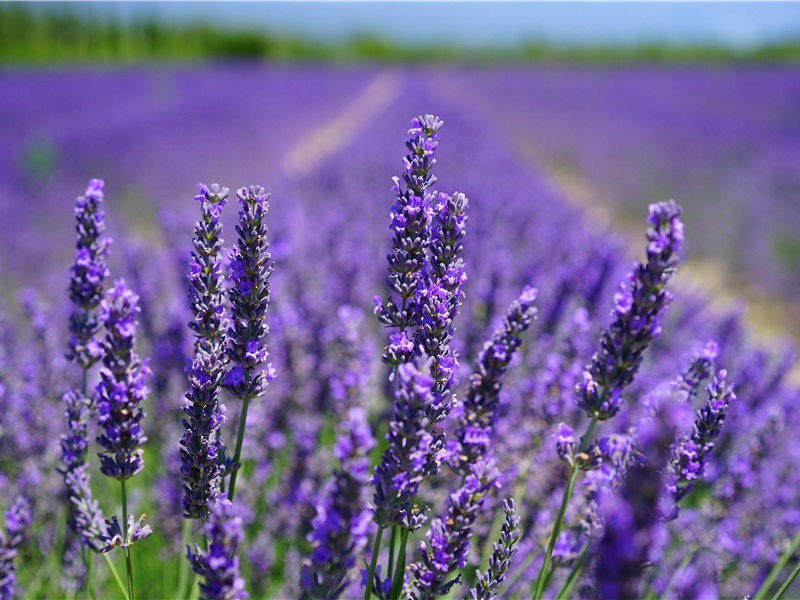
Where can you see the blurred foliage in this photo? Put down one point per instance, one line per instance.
(58, 33)
(39, 158)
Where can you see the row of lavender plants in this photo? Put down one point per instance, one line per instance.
(527, 417)
(724, 139)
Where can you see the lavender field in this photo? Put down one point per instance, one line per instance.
(487, 376)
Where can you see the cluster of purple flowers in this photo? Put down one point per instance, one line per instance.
(616, 505)
(201, 446)
(639, 308)
(122, 387)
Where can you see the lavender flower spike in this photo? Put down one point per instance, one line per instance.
(689, 455)
(639, 308)
(439, 294)
(480, 404)
(503, 552)
(219, 565)
(87, 275)
(449, 537)
(341, 524)
(121, 389)
(18, 517)
(201, 447)
(251, 265)
(404, 463)
(411, 222)
(85, 518)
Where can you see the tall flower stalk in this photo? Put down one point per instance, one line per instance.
(201, 445)
(449, 537)
(482, 399)
(425, 278)
(502, 552)
(87, 277)
(638, 309)
(120, 393)
(251, 265)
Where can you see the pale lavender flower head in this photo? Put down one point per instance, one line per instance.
(121, 389)
(115, 538)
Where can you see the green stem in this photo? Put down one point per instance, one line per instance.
(113, 570)
(128, 568)
(400, 569)
(373, 563)
(573, 477)
(238, 452)
(89, 560)
(392, 544)
(782, 590)
(683, 564)
(779, 566)
(183, 576)
(573, 576)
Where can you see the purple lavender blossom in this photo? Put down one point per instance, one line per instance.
(502, 552)
(85, 518)
(18, 518)
(219, 565)
(439, 295)
(565, 443)
(87, 275)
(201, 446)
(121, 389)
(689, 455)
(341, 524)
(449, 537)
(250, 267)
(701, 367)
(639, 307)
(405, 462)
(411, 223)
(115, 536)
(480, 405)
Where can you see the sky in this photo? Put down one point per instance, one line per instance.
(736, 24)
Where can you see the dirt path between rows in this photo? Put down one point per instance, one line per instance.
(310, 152)
(767, 318)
